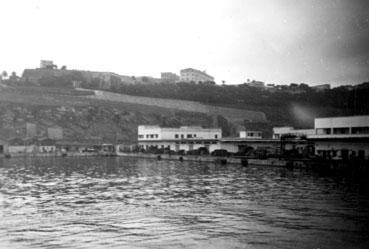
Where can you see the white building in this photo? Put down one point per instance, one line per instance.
(278, 132)
(190, 74)
(342, 137)
(46, 64)
(183, 138)
(257, 84)
(169, 77)
(321, 88)
(251, 134)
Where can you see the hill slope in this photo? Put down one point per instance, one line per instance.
(112, 117)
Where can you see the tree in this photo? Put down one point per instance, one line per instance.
(63, 67)
(14, 77)
(4, 74)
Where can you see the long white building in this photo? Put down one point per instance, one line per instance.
(183, 138)
(190, 74)
(278, 132)
(342, 137)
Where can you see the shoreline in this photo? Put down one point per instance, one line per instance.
(290, 163)
(273, 162)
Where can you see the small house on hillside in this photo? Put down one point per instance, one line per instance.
(19, 145)
(87, 145)
(46, 145)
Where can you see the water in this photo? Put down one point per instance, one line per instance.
(136, 203)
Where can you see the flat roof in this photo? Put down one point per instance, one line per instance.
(353, 116)
(178, 140)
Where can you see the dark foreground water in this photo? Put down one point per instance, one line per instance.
(129, 203)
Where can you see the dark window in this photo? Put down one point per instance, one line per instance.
(341, 130)
(361, 154)
(182, 136)
(360, 130)
(176, 136)
(216, 136)
(344, 154)
(189, 136)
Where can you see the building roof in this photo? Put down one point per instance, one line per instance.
(179, 129)
(180, 140)
(339, 137)
(85, 142)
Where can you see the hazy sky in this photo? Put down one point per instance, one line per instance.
(276, 41)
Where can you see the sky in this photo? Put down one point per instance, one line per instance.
(275, 41)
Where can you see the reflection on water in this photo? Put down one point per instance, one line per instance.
(136, 203)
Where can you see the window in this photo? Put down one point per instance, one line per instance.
(341, 130)
(360, 130)
(323, 131)
(333, 153)
(189, 135)
(194, 135)
(176, 136)
(141, 136)
(182, 136)
(216, 135)
(147, 136)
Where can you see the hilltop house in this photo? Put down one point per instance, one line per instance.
(190, 74)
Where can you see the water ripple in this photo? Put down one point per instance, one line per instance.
(131, 203)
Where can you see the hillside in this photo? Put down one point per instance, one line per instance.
(110, 108)
(112, 117)
(232, 114)
(294, 105)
